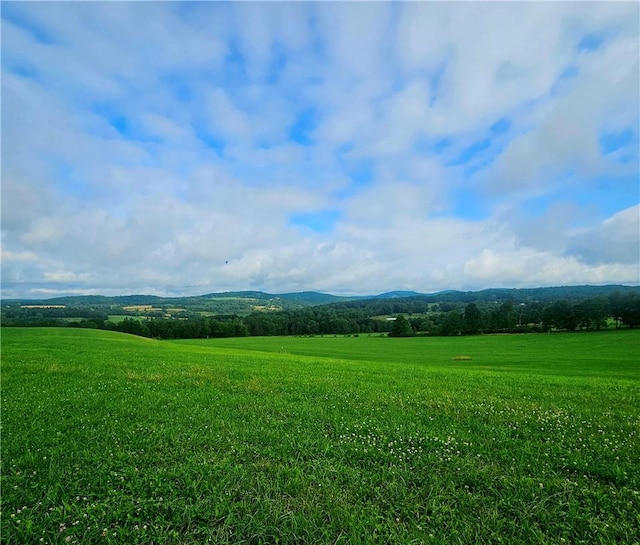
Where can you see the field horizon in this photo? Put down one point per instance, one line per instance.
(113, 438)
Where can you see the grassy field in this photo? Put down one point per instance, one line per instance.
(109, 438)
(117, 318)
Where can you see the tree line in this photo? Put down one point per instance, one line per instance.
(396, 317)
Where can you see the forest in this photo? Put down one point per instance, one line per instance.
(448, 314)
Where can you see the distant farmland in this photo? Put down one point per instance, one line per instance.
(110, 438)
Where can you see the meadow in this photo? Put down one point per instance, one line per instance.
(518, 439)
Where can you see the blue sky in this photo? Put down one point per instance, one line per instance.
(354, 148)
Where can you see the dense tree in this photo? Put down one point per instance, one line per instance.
(531, 314)
(472, 319)
(561, 315)
(504, 318)
(444, 314)
(625, 308)
(401, 327)
(630, 312)
(135, 327)
(593, 313)
(616, 307)
(452, 323)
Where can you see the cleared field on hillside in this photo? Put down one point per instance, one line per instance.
(606, 353)
(109, 438)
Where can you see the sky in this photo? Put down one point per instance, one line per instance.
(351, 148)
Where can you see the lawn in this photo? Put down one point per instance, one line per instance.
(109, 438)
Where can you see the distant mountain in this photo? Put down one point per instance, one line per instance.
(302, 298)
(532, 294)
(229, 302)
(314, 297)
(245, 302)
(396, 301)
(88, 300)
(236, 294)
(394, 294)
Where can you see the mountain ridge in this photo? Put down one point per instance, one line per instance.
(311, 298)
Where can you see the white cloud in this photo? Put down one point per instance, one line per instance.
(490, 58)
(406, 117)
(64, 276)
(43, 230)
(163, 127)
(563, 133)
(149, 147)
(9, 256)
(226, 118)
(615, 240)
(358, 33)
(526, 268)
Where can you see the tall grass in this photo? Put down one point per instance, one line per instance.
(108, 438)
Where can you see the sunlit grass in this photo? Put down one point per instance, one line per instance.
(108, 438)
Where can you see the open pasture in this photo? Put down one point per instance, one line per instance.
(604, 354)
(109, 438)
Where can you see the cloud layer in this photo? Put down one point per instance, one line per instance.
(183, 148)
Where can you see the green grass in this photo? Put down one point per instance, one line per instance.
(117, 318)
(109, 438)
(606, 353)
